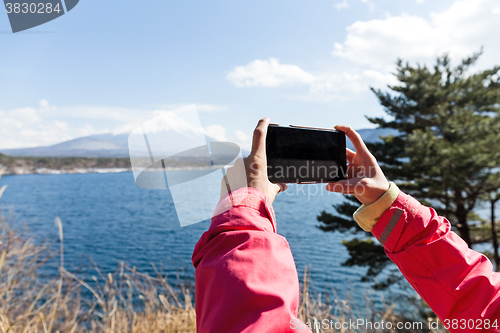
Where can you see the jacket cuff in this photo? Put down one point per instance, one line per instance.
(367, 215)
(246, 197)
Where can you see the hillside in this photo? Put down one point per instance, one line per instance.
(116, 146)
(104, 153)
(101, 145)
(55, 165)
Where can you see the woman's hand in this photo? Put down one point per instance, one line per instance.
(252, 171)
(365, 179)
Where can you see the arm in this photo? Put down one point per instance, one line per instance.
(246, 280)
(455, 281)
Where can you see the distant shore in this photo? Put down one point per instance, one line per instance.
(45, 171)
(14, 165)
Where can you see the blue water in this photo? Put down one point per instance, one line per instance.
(108, 218)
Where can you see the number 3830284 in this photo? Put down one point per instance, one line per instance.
(32, 8)
(478, 324)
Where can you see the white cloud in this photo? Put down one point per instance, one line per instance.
(268, 73)
(345, 85)
(371, 48)
(44, 104)
(47, 124)
(460, 30)
(243, 140)
(219, 133)
(345, 4)
(200, 107)
(32, 127)
(26, 115)
(210, 108)
(216, 132)
(341, 5)
(323, 86)
(92, 112)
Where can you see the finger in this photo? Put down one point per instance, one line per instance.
(238, 164)
(350, 155)
(259, 138)
(346, 186)
(276, 188)
(226, 183)
(354, 136)
(283, 187)
(351, 171)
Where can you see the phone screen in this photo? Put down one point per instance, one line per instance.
(303, 155)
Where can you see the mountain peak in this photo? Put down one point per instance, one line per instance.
(116, 145)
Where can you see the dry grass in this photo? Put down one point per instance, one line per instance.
(122, 301)
(315, 310)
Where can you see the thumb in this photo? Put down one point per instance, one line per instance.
(276, 188)
(282, 187)
(346, 186)
(259, 139)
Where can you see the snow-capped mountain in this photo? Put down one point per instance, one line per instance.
(110, 145)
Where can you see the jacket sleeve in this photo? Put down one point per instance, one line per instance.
(458, 283)
(246, 280)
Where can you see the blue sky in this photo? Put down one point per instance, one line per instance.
(107, 64)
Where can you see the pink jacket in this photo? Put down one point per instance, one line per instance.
(246, 280)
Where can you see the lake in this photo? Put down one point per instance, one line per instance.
(108, 218)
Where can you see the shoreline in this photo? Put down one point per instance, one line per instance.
(46, 171)
(15, 165)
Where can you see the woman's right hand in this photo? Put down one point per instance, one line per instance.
(252, 171)
(365, 178)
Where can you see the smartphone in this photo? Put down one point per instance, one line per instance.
(305, 155)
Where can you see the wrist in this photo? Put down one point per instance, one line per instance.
(377, 193)
(249, 197)
(367, 215)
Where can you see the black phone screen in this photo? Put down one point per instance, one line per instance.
(305, 155)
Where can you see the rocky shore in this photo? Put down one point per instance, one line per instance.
(46, 171)
(14, 165)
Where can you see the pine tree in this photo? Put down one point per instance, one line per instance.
(492, 198)
(363, 250)
(450, 136)
(446, 155)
